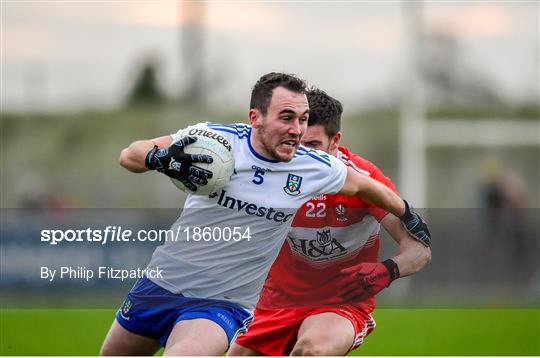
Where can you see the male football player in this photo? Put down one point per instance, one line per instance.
(209, 288)
(320, 292)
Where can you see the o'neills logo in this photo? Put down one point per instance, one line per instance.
(211, 134)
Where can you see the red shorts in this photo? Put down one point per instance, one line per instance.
(274, 332)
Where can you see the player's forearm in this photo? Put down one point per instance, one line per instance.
(412, 259)
(412, 255)
(133, 157)
(382, 197)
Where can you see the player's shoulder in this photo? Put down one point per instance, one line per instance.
(312, 156)
(362, 165)
(356, 162)
(239, 130)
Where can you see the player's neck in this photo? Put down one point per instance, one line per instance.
(259, 147)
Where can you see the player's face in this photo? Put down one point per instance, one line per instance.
(277, 134)
(317, 138)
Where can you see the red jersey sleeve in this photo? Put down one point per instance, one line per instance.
(364, 166)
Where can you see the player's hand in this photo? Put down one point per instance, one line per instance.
(365, 280)
(177, 164)
(415, 225)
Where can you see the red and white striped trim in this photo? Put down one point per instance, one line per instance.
(359, 339)
(345, 159)
(371, 241)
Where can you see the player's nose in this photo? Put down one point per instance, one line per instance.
(295, 128)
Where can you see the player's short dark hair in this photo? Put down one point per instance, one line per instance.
(324, 110)
(263, 89)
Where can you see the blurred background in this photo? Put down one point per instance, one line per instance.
(83, 80)
(442, 96)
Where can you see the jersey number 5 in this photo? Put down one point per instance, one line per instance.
(258, 177)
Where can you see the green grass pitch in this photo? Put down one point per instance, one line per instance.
(398, 332)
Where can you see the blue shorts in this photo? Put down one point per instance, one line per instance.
(152, 311)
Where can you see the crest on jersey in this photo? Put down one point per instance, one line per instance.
(341, 211)
(293, 184)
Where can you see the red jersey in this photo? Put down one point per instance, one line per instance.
(329, 233)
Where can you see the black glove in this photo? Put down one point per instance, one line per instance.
(415, 225)
(177, 164)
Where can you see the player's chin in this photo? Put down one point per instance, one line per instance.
(285, 153)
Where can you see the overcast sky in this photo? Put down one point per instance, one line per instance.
(72, 55)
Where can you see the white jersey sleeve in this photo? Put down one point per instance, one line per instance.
(331, 172)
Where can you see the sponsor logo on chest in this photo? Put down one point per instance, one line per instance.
(323, 247)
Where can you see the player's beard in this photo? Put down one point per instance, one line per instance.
(271, 143)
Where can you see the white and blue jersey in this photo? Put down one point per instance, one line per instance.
(262, 196)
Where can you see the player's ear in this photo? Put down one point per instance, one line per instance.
(334, 142)
(255, 117)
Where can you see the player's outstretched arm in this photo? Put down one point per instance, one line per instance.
(170, 159)
(372, 191)
(134, 156)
